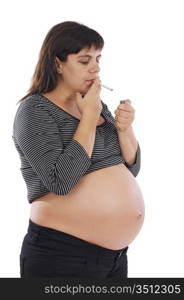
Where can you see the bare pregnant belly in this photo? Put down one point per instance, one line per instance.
(105, 207)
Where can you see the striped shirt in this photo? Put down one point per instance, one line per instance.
(51, 160)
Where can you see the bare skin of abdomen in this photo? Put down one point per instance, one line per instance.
(105, 207)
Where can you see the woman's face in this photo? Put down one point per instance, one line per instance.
(79, 69)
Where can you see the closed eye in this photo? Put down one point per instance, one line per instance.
(86, 62)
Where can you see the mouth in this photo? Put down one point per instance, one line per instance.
(89, 81)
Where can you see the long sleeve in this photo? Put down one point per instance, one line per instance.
(37, 134)
(135, 167)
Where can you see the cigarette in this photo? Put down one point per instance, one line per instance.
(106, 87)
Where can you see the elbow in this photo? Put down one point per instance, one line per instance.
(135, 171)
(135, 168)
(58, 186)
(60, 189)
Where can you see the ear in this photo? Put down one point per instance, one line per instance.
(58, 65)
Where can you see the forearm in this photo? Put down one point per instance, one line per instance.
(128, 145)
(86, 132)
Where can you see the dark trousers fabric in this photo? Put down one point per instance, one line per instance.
(47, 252)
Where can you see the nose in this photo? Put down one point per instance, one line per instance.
(95, 68)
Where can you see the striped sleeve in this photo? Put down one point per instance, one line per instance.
(37, 134)
(135, 167)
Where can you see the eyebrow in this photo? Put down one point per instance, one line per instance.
(87, 55)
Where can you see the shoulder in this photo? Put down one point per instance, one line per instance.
(28, 102)
(31, 110)
(31, 104)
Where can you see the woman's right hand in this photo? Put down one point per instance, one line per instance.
(91, 102)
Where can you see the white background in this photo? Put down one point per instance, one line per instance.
(143, 61)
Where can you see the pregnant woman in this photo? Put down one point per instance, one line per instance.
(79, 164)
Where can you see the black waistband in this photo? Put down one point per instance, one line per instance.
(85, 246)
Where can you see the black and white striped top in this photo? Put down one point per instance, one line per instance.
(51, 161)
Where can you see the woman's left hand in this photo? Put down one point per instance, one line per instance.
(125, 115)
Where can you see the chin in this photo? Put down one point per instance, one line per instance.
(82, 91)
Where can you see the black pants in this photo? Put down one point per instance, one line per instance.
(47, 252)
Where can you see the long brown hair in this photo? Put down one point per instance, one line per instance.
(62, 39)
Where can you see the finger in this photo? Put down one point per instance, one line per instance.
(121, 111)
(126, 107)
(97, 84)
(97, 80)
(95, 87)
(124, 117)
(125, 103)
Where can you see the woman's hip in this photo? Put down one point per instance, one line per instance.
(46, 252)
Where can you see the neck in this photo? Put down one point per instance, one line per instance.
(64, 95)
